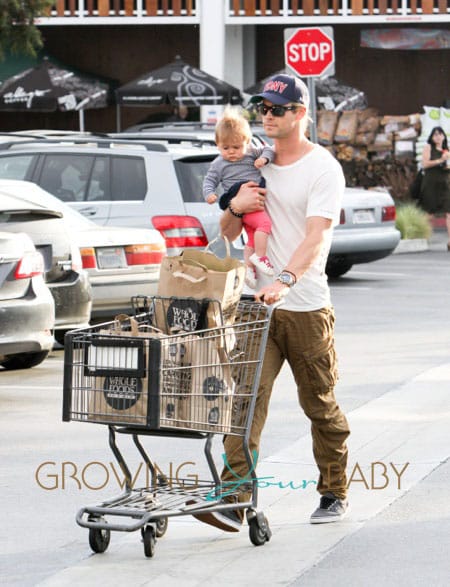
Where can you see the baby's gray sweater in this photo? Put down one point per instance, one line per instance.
(228, 173)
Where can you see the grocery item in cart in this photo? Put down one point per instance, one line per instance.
(191, 373)
(200, 275)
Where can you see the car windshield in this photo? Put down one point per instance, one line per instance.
(191, 173)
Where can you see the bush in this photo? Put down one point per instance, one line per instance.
(412, 222)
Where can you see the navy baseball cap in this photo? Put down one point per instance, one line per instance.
(282, 89)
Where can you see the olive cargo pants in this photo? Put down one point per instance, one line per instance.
(306, 341)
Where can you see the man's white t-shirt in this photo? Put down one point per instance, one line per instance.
(312, 186)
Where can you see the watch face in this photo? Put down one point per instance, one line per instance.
(286, 279)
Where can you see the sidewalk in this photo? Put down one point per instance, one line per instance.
(396, 532)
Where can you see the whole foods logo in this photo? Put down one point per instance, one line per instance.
(213, 388)
(189, 315)
(122, 393)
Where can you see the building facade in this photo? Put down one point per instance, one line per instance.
(241, 41)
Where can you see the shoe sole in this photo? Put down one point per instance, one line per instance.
(327, 519)
(213, 519)
(216, 520)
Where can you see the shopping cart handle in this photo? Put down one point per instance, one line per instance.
(95, 518)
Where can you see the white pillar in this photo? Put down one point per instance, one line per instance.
(234, 55)
(212, 47)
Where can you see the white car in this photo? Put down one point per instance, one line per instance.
(121, 262)
(148, 179)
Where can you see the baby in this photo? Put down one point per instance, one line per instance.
(238, 163)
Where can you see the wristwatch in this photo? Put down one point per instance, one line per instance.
(287, 278)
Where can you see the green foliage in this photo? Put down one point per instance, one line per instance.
(412, 222)
(18, 34)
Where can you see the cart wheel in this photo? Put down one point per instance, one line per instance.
(161, 526)
(149, 541)
(99, 539)
(259, 530)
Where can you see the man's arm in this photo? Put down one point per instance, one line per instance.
(303, 257)
(308, 251)
(249, 198)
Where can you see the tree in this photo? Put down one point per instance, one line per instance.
(18, 33)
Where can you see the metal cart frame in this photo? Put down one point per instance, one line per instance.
(134, 350)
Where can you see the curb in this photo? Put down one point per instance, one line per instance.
(411, 245)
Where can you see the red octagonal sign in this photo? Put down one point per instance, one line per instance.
(309, 52)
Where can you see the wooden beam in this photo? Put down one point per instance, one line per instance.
(151, 7)
(103, 7)
(308, 7)
(275, 7)
(382, 6)
(357, 7)
(323, 7)
(129, 7)
(250, 8)
(176, 7)
(427, 6)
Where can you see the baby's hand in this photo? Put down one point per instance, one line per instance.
(211, 199)
(260, 162)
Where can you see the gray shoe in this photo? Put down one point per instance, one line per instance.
(331, 509)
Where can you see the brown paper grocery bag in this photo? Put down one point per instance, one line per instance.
(117, 373)
(201, 274)
(196, 386)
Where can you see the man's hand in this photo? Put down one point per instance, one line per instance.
(270, 294)
(250, 198)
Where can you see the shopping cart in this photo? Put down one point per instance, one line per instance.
(134, 377)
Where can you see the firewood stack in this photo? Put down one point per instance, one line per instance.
(374, 150)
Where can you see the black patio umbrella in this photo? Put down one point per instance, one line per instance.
(49, 87)
(176, 83)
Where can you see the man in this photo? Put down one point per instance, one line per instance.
(303, 197)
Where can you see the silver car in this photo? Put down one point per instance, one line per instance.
(145, 179)
(120, 262)
(27, 309)
(366, 231)
(64, 274)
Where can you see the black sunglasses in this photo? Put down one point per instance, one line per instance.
(275, 110)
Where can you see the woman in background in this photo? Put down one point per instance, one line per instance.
(435, 197)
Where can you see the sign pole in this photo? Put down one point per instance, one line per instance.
(313, 106)
(309, 53)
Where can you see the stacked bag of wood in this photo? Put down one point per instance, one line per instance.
(358, 135)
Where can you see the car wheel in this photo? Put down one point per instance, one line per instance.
(335, 269)
(24, 361)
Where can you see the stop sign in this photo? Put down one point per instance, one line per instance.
(309, 52)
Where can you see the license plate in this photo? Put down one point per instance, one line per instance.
(111, 258)
(363, 216)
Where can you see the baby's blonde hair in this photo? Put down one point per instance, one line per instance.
(233, 126)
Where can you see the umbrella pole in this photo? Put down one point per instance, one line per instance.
(81, 119)
(117, 117)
